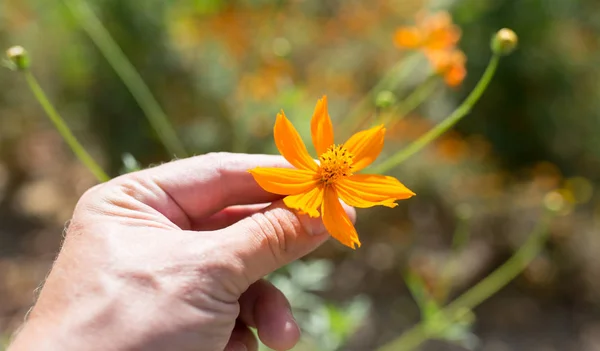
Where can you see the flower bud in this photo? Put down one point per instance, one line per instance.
(385, 99)
(18, 57)
(554, 201)
(504, 42)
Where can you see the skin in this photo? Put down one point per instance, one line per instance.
(173, 258)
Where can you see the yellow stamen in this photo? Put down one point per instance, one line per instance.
(336, 162)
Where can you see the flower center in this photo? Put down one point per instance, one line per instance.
(336, 162)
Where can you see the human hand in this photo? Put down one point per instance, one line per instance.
(164, 259)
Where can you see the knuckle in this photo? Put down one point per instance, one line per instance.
(220, 163)
(92, 193)
(88, 202)
(273, 229)
(106, 198)
(127, 185)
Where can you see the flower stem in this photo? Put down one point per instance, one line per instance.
(459, 240)
(128, 74)
(63, 129)
(444, 125)
(389, 81)
(480, 292)
(412, 101)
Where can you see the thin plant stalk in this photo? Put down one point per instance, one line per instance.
(460, 112)
(64, 130)
(128, 74)
(411, 102)
(489, 286)
(390, 81)
(459, 240)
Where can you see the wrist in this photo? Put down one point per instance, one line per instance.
(38, 335)
(55, 325)
(91, 331)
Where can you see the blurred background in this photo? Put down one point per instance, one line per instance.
(221, 70)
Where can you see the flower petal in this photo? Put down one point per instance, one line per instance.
(367, 190)
(321, 127)
(443, 39)
(441, 34)
(408, 37)
(455, 76)
(336, 221)
(365, 146)
(308, 202)
(284, 181)
(354, 198)
(290, 145)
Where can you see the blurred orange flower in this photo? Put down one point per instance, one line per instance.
(267, 81)
(449, 64)
(431, 33)
(437, 37)
(314, 188)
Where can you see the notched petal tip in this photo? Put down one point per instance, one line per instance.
(308, 202)
(281, 117)
(368, 190)
(407, 192)
(311, 214)
(381, 130)
(336, 221)
(352, 243)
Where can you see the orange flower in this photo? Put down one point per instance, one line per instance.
(437, 37)
(450, 64)
(314, 188)
(431, 33)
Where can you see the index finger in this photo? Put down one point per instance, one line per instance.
(203, 185)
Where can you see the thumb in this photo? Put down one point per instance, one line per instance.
(274, 237)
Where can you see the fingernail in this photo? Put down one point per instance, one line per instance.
(313, 226)
(236, 346)
(291, 323)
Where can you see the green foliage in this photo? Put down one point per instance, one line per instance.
(4, 339)
(326, 326)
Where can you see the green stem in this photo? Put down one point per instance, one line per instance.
(389, 81)
(128, 74)
(480, 292)
(508, 271)
(412, 101)
(63, 129)
(459, 240)
(416, 287)
(444, 125)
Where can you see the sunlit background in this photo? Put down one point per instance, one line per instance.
(221, 70)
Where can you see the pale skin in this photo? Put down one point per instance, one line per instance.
(172, 258)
